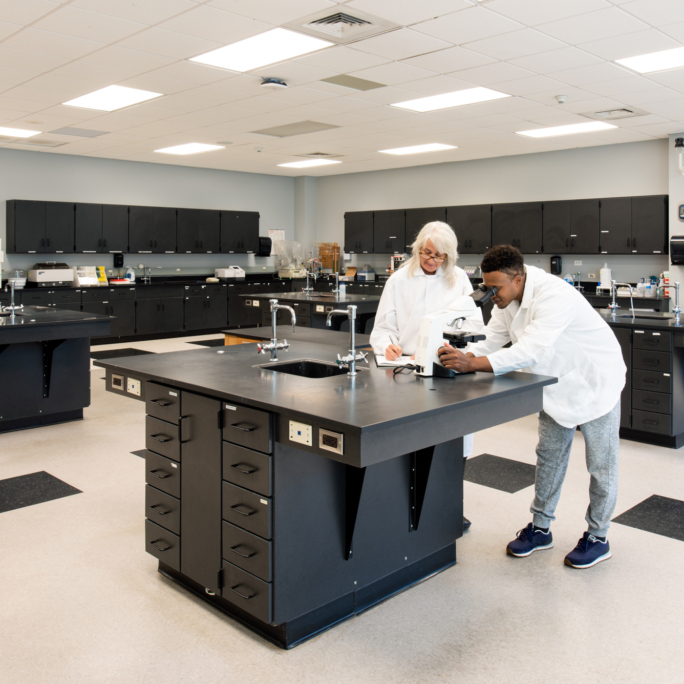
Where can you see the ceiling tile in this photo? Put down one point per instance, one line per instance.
(26, 11)
(556, 60)
(191, 72)
(393, 73)
(435, 85)
(492, 73)
(343, 105)
(619, 86)
(97, 74)
(646, 97)
(529, 85)
(13, 76)
(593, 26)
(406, 12)
(548, 97)
(468, 25)
(451, 59)
(295, 73)
(630, 45)
(274, 11)
(72, 21)
(49, 43)
(661, 130)
(516, 44)
(149, 12)
(342, 60)
(646, 120)
(598, 104)
(30, 60)
(25, 92)
(656, 12)
(672, 79)
(118, 57)
(400, 44)
(169, 43)
(7, 29)
(532, 12)
(676, 31)
(298, 95)
(156, 84)
(590, 74)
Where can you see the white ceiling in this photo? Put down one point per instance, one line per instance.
(534, 50)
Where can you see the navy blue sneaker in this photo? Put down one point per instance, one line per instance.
(588, 552)
(528, 540)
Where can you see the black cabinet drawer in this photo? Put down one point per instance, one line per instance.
(247, 468)
(162, 544)
(303, 322)
(657, 402)
(162, 402)
(95, 294)
(652, 422)
(303, 308)
(248, 427)
(652, 340)
(162, 509)
(162, 473)
(162, 438)
(120, 293)
(62, 296)
(159, 291)
(247, 551)
(247, 592)
(36, 297)
(250, 511)
(653, 361)
(654, 382)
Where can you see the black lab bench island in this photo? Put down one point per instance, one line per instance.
(292, 503)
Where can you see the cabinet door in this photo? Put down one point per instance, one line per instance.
(365, 234)
(351, 232)
(195, 313)
(59, 227)
(217, 312)
(99, 308)
(584, 227)
(27, 220)
(417, 218)
(171, 314)
(210, 232)
(615, 225)
(230, 239)
(164, 230)
(187, 231)
(504, 224)
(239, 232)
(148, 316)
(124, 325)
(624, 337)
(114, 228)
(473, 227)
(389, 231)
(649, 224)
(140, 238)
(88, 228)
(529, 227)
(556, 220)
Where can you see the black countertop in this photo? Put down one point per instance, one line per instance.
(656, 321)
(315, 297)
(334, 338)
(42, 323)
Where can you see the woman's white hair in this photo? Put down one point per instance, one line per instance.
(445, 242)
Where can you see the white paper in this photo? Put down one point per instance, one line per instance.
(399, 361)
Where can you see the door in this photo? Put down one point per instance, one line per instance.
(389, 231)
(473, 227)
(164, 230)
(148, 316)
(187, 231)
(217, 312)
(556, 220)
(59, 227)
(195, 313)
(171, 314)
(649, 224)
(584, 227)
(140, 238)
(88, 228)
(29, 226)
(417, 218)
(615, 225)
(209, 231)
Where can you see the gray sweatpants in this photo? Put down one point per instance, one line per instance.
(602, 440)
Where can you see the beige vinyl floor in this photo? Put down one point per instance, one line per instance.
(82, 603)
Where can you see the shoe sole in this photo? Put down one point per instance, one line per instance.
(605, 556)
(524, 555)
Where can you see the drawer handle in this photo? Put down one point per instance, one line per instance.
(244, 471)
(161, 403)
(652, 382)
(161, 438)
(157, 508)
(653, 361)
(651, 422)
(241, 426)
(240, 594)
(655, 402)
(244, 555)
(159, 548)
(163, 475)
(246, 512)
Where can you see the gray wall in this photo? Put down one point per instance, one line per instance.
(676, 198)
(58, 177)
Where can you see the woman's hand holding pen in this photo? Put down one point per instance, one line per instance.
(392, 352)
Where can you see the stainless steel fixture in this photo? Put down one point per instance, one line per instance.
(677, 309)
(274, 345)
(351, 358)
(613, 306)
(13, 308)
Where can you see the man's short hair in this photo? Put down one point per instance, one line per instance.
(504, 258)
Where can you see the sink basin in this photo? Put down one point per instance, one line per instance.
(653, 314)
(307, 368)
(321, 294)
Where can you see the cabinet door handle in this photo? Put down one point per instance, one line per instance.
(99, 242)
(628, 242)
(244, 596)
(163, 475)
(567, 242)
(159, 402)
(572, 242)
(655, 402)
(159, 548)
(234, 549)
(245, 427)
(246, 510)
(158, 508)
(158, 307)
(651, 422)
(104, 243)
(244, 471)
(652, 382)
(196, 243)
(633, 242)
(163, 307)
(42, 242)
(655, 362)
(48, 242)
(161, 438)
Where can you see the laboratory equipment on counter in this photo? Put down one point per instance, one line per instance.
(606, 276)
(397, 261)
(677, 309)
(432, 333)
(470, 271)
(366, 274)
(274, 345)
(569, 279)
(231, 273)
(289, 259)
(18, 277)
(349, 275)
(353, 356)
(51, 274)
(86, 276)
(12, 308)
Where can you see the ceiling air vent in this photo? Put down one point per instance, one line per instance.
(339, 24)
(319, 155)
(341, 27)
(611, 114)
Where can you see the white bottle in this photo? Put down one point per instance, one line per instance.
(130, 275)
(343, 291)
(606, 276)
(569, 279)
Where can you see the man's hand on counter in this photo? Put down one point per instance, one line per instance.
(392, 352)
(463, 363)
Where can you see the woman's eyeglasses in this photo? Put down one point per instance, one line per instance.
(436, 259)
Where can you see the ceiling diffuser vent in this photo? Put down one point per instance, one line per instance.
(341, 27)
(319, 155)
(41, 143)
(612, 114)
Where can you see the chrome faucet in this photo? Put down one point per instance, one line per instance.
(677, 309)
(337, 283)
(351, 358)
(308, 289)
(614, 306)
(274, 345)
(12, 307)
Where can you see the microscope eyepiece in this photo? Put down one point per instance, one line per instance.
(482, 294)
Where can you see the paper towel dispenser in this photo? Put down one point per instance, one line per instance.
(677, 250)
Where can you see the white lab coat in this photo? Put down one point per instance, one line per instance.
(556, 332)
(406, 299)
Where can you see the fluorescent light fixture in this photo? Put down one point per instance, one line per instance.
(309, 162)
(273, 46)
(419, 149)
(189, 148)
(112, 97)
(655, 61)
(447, 100)
(588, 127)
(17, 132)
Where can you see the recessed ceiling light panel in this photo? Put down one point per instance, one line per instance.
(655, 61)
(112, 97)
(588, 127)
(448, 100)
(419, 149)
(273, 46)
(189, 148)
(17, 132)
(310, 162)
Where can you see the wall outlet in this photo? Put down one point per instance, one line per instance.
(578, 263)
(300, 433)
(591, 276)
(133, 386)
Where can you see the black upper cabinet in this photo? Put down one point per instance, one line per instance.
(59, 227)
(571, 227)
(114, 228)
(88, 228)
(152, 230)
(25, 227)
(519, 225)
(209, 228)
(649, 224)
(164, 230)
(140, 230)
(358, 232)
(556, 229)
(417, 218)
(473, 227)
(389, 231)
(239, 232)
(616, 225)
(198, 231)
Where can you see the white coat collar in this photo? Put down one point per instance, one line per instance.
(440, 272)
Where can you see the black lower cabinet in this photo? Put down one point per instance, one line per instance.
(207, 312)
(154, 316)
(624, 337)
(124, 311)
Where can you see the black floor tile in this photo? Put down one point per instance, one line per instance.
(499, 473)
(117, 353)
(29, 490)
(140, 453)
(210, 343)
(658, 515)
